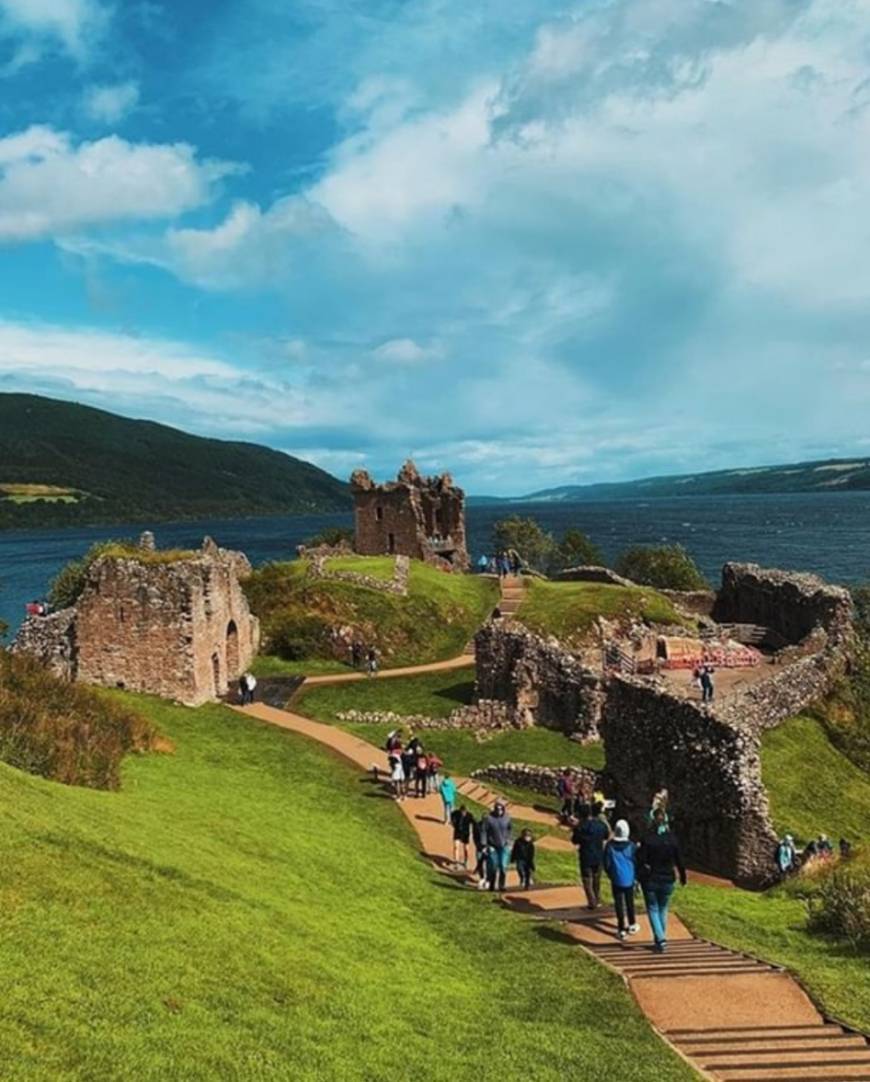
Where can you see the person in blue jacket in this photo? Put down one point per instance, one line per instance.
(619, 864)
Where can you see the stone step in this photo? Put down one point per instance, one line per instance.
(826, 1072)
(777, 1057)
(686, 1035)
(771, 1045)
(818, 1036)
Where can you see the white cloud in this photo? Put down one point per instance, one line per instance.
(72, 23)
(109, 104)
(50, 186)
(405, 351)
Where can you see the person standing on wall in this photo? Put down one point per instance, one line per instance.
(619, 864)
(658, 863)
(589, 837)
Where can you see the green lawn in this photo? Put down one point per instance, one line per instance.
(812, 786)
(773, 926)
(248, 908)
(435, 695)
(569, 609)
(376, 567)
(435, 621)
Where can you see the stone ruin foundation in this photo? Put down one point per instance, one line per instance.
(706, 755)
(179, 628)
(420, 517)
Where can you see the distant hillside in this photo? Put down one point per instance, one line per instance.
(829, 475)
(64, 464)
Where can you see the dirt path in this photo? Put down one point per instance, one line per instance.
(731, 1016)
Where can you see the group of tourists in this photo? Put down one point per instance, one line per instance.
(502, 564)
(414, 772)
(495, 849)
(789, 860)
(362, 656)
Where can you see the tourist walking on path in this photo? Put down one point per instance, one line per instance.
(447, 789)
(463, 829)
(372, 661)
(481, 854)
(707, 684)
(619, 864)
(658, 862)
(397, 773)
(421, 774)
(589, 837)
(523, 855)
(356, 654)
(496, 833)
(567, 790)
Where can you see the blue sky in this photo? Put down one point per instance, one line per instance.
(531, 242)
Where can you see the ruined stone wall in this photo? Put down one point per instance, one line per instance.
(542, 681)
(423, 518)
(790, 603)
(181, 629)
(51, 640)
(481, 717)
(711, 769)
(540, 779)
(397, 585)
(590, 573)
(697, 602)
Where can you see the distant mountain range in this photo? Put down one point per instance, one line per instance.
(63, 464)
(828, 475)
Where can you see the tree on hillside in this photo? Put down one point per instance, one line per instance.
(525, 536)
(576, 550)
(667, 567)
(67, 585)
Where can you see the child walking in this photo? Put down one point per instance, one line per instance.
(523, 855)
(619, 863)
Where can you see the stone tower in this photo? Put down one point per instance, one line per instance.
(420, 517)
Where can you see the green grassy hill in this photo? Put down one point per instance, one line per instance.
(105, 468)
(434, 621)
(569, 609)
(248, 909)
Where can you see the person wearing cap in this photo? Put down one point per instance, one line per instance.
(619, 857)
(496, 832)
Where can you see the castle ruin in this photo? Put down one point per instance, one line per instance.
(174, 625)
(420, 517)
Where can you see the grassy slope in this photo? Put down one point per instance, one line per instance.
(569, 609)
(244, 910)
(436, 694)
(812, 786)
(378, 567)
(434, 622)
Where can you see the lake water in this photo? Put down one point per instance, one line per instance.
(827, 533)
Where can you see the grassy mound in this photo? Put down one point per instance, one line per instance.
(812, 786)
(436, 695)
(569, 609)
(67, 732)
(245, 910)
(376, 567)
(436, 619)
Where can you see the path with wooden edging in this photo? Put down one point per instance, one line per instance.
(733, 1017)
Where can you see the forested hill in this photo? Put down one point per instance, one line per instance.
(66, 464)
(830, 475)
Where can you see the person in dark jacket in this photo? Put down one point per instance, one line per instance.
(658, 863)
(496, 831)
(619, 864)
(523, 855)
(463, 826)
(589, 837)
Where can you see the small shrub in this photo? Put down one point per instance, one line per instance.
(667, 567)
(296, 635)
(525, 536)
(840, 902)
(576, 550)
(65, 732)
(331, 536)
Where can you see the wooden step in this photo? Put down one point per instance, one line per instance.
(752, 1031)
(828, 1072)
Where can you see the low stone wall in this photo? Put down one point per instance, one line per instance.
(397, 585)
(540, 779)
(51, 640)
(710, 767)
(484, 715)
(544, 683)
(591, 573)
